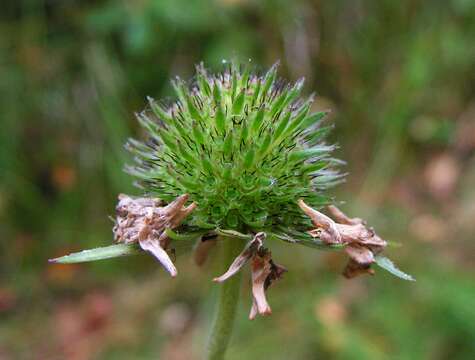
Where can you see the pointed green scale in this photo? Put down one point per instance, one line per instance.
(168, 140)
(281, 126)
(203, 80)
(309, 153)
(195, 114)
(297, 120)
(318, 135)
(234, 80)
(265, 144)
(313, 119)
(146, 122)
(256, 90)
(245, 77)
(228, 144)
(249, 159)
(318, 165)
(180, 90)
(187, 154)
(217, 96)
(159, 112)
(207, 166)
(238, 103)
(257, 121)
(278, 104)
(244, 133)
(197, 134)
(220, 120)
(268, 80)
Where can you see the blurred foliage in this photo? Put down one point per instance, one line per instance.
(399, 77)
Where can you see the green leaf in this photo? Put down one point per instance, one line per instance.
(99, 253)
(386, 264)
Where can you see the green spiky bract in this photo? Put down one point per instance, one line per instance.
(245, 147)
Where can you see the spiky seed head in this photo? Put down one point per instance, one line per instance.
(245, 147)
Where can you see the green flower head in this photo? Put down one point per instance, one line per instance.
(245, 147)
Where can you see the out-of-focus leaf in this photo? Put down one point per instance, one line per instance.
(386, 264)
(100, 253)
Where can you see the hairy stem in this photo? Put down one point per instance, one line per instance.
(227, 303)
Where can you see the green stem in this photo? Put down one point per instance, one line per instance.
(227, 303)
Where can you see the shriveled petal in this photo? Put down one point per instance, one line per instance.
(153, 246)
(261, 269)
(330, 233)
(251, 248)
(176, 212)
(342, 218)
(264, 273)
(360, 254)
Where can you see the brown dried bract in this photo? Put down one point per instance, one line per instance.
(264, 273)
(144, 221)
(362, 243)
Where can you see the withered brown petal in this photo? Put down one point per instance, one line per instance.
(236, 265)
(153, 246)
(261, 269)
(251, 248)
(360, 254)
(322, 221)
(342, 218)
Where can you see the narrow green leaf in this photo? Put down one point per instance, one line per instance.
(386, 264)
(99, 253)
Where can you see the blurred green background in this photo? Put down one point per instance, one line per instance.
(399, 77)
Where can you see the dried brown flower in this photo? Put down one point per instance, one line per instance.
(362, 243)
(144, 221)
(264, 272)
